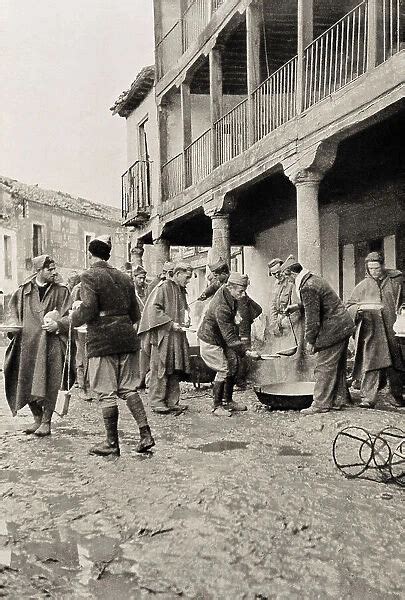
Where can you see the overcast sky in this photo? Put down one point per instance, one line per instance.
(63, 64)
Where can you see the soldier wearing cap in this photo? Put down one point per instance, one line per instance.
(220, 272)
(163, 333)
(328, 327)
(283, 296)
(34, 360)
(378, 357)
(141, 287)
(220, 344)
(110, 309)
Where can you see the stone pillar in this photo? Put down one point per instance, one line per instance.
(221, 245)
(254, 27)
(137, 252)
(305, 13)
(308, 225)
(162, 253)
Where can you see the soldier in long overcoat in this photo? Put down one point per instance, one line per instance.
(373, 305)
(34, 360)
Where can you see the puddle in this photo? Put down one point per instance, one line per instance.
(35, 473)
(290, 451)
(9, 475)
(220, 446)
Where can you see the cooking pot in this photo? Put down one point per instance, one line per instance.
(286, 396)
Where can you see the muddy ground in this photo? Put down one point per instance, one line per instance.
(248, 507)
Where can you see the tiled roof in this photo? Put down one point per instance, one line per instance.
(139, 89)
(60, 200)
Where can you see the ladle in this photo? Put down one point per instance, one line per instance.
(293, 350)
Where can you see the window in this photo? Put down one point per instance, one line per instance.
(8, 267)
(37, 240)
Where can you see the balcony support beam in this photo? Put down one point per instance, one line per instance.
(254, 28)
(216, 97)
(185, 96)
(305, 37)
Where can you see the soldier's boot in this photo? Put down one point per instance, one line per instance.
(45, 428)
(111, 445)
(218, 408)
(229, 402)
(137, 410)
(36, 410)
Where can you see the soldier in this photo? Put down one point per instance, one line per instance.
(110, 309)
(220, 344)
(164, 340)
(34, 359)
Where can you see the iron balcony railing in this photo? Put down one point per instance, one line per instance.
(353, 45)
(135, 191)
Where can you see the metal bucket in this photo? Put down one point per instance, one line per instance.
(286, 396)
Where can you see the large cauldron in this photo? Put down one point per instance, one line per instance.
(286, 396)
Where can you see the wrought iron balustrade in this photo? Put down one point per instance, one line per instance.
(198, 158)
(274, 101)
(135, 190)
(173, 177)
(231, 133)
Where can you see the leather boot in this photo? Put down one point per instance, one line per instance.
(137, 410)
(45, 428)
(146, 442)
(229, 403)
(36, 410)
(111, 445)
(218, 391)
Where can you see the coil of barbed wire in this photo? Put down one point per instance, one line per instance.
(356, 450)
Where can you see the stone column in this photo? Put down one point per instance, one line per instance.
(162, 253)
(137, 252)
(308, 224)
(221, 245)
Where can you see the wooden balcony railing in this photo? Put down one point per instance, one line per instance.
(391, 27)
(336, 57)
(135, 191)
(198, 158)
(184, 32)
(173, 177)
(274, 101)
(353, 45)
(231, 133)
(169, 49)
(195, 18)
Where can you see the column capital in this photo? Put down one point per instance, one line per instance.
(220, 206)
(310, 167)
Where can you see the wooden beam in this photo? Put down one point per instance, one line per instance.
(305, 37)
(216, 98)
(254, 28)
(185, 97)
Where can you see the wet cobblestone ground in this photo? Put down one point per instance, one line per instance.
(248, 507)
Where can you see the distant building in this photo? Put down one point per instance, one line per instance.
(35, 221)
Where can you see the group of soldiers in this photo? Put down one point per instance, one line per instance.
(127, 331)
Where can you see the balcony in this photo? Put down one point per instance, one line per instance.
(343, 53)
(183, 33)
(135, 192)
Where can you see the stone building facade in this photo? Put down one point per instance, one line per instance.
(280, 130)
(35, 221)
